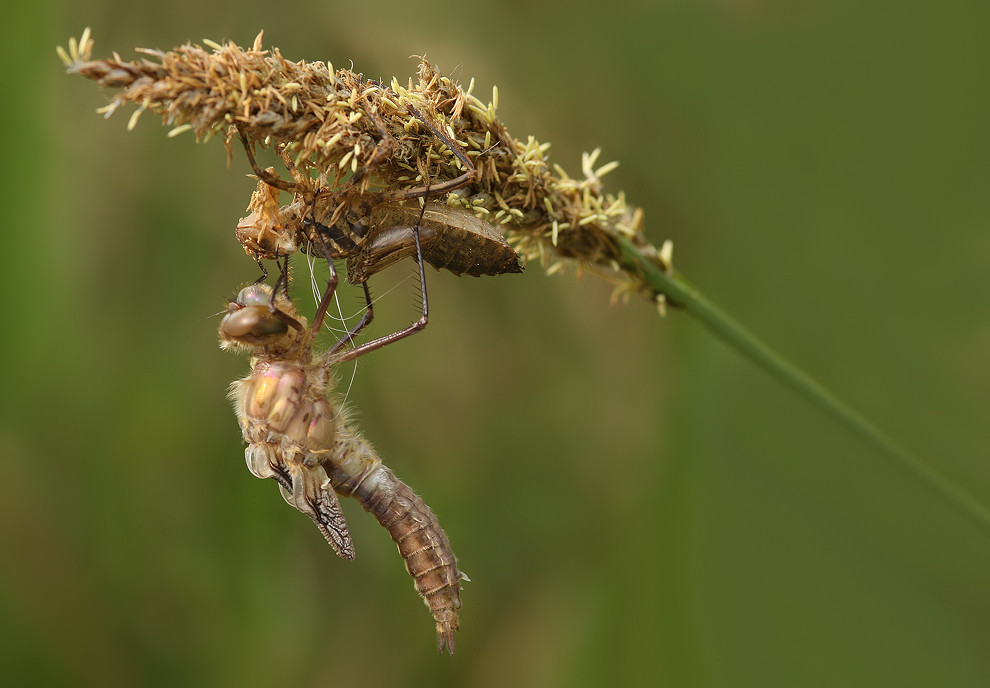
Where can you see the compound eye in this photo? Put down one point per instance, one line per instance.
(253, 295)
(254, 325)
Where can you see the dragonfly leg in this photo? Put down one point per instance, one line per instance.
(282, 283)
(331, 288)
(264, 175)
(334, 356)
(369, 315)
(264, 272)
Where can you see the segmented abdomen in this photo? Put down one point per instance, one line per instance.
(356, 471)
(451, 238)
(464, 252)
(467, 244)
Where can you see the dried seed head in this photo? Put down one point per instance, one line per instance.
(337, 123)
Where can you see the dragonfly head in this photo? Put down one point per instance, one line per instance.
(257, 320)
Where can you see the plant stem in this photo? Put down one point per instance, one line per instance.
(679, 293)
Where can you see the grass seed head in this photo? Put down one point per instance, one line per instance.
(335, 122)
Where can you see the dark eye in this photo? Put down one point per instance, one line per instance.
(254, 295)
(254, 325)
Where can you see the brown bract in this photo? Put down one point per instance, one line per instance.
(329, 121)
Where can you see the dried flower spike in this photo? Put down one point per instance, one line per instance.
(336, 123)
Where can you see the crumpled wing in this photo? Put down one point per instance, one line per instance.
(308, 490)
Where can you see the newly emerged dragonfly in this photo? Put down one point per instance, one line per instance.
(297, 435)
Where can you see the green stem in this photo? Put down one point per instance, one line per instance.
(679, 293)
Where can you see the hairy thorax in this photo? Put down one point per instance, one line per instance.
(281, 403)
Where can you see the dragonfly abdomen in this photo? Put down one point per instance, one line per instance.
(356, 471)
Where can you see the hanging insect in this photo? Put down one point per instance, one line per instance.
(299, 437)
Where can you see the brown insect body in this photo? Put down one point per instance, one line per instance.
(451, 238)
(454, 239)
(298, 437)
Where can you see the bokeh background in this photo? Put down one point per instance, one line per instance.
(634, 502)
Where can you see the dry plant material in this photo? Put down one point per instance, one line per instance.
(341, 129)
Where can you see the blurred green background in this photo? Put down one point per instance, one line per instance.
(635, 503)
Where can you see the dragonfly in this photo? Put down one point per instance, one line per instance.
(299, 436)
(371, 230)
